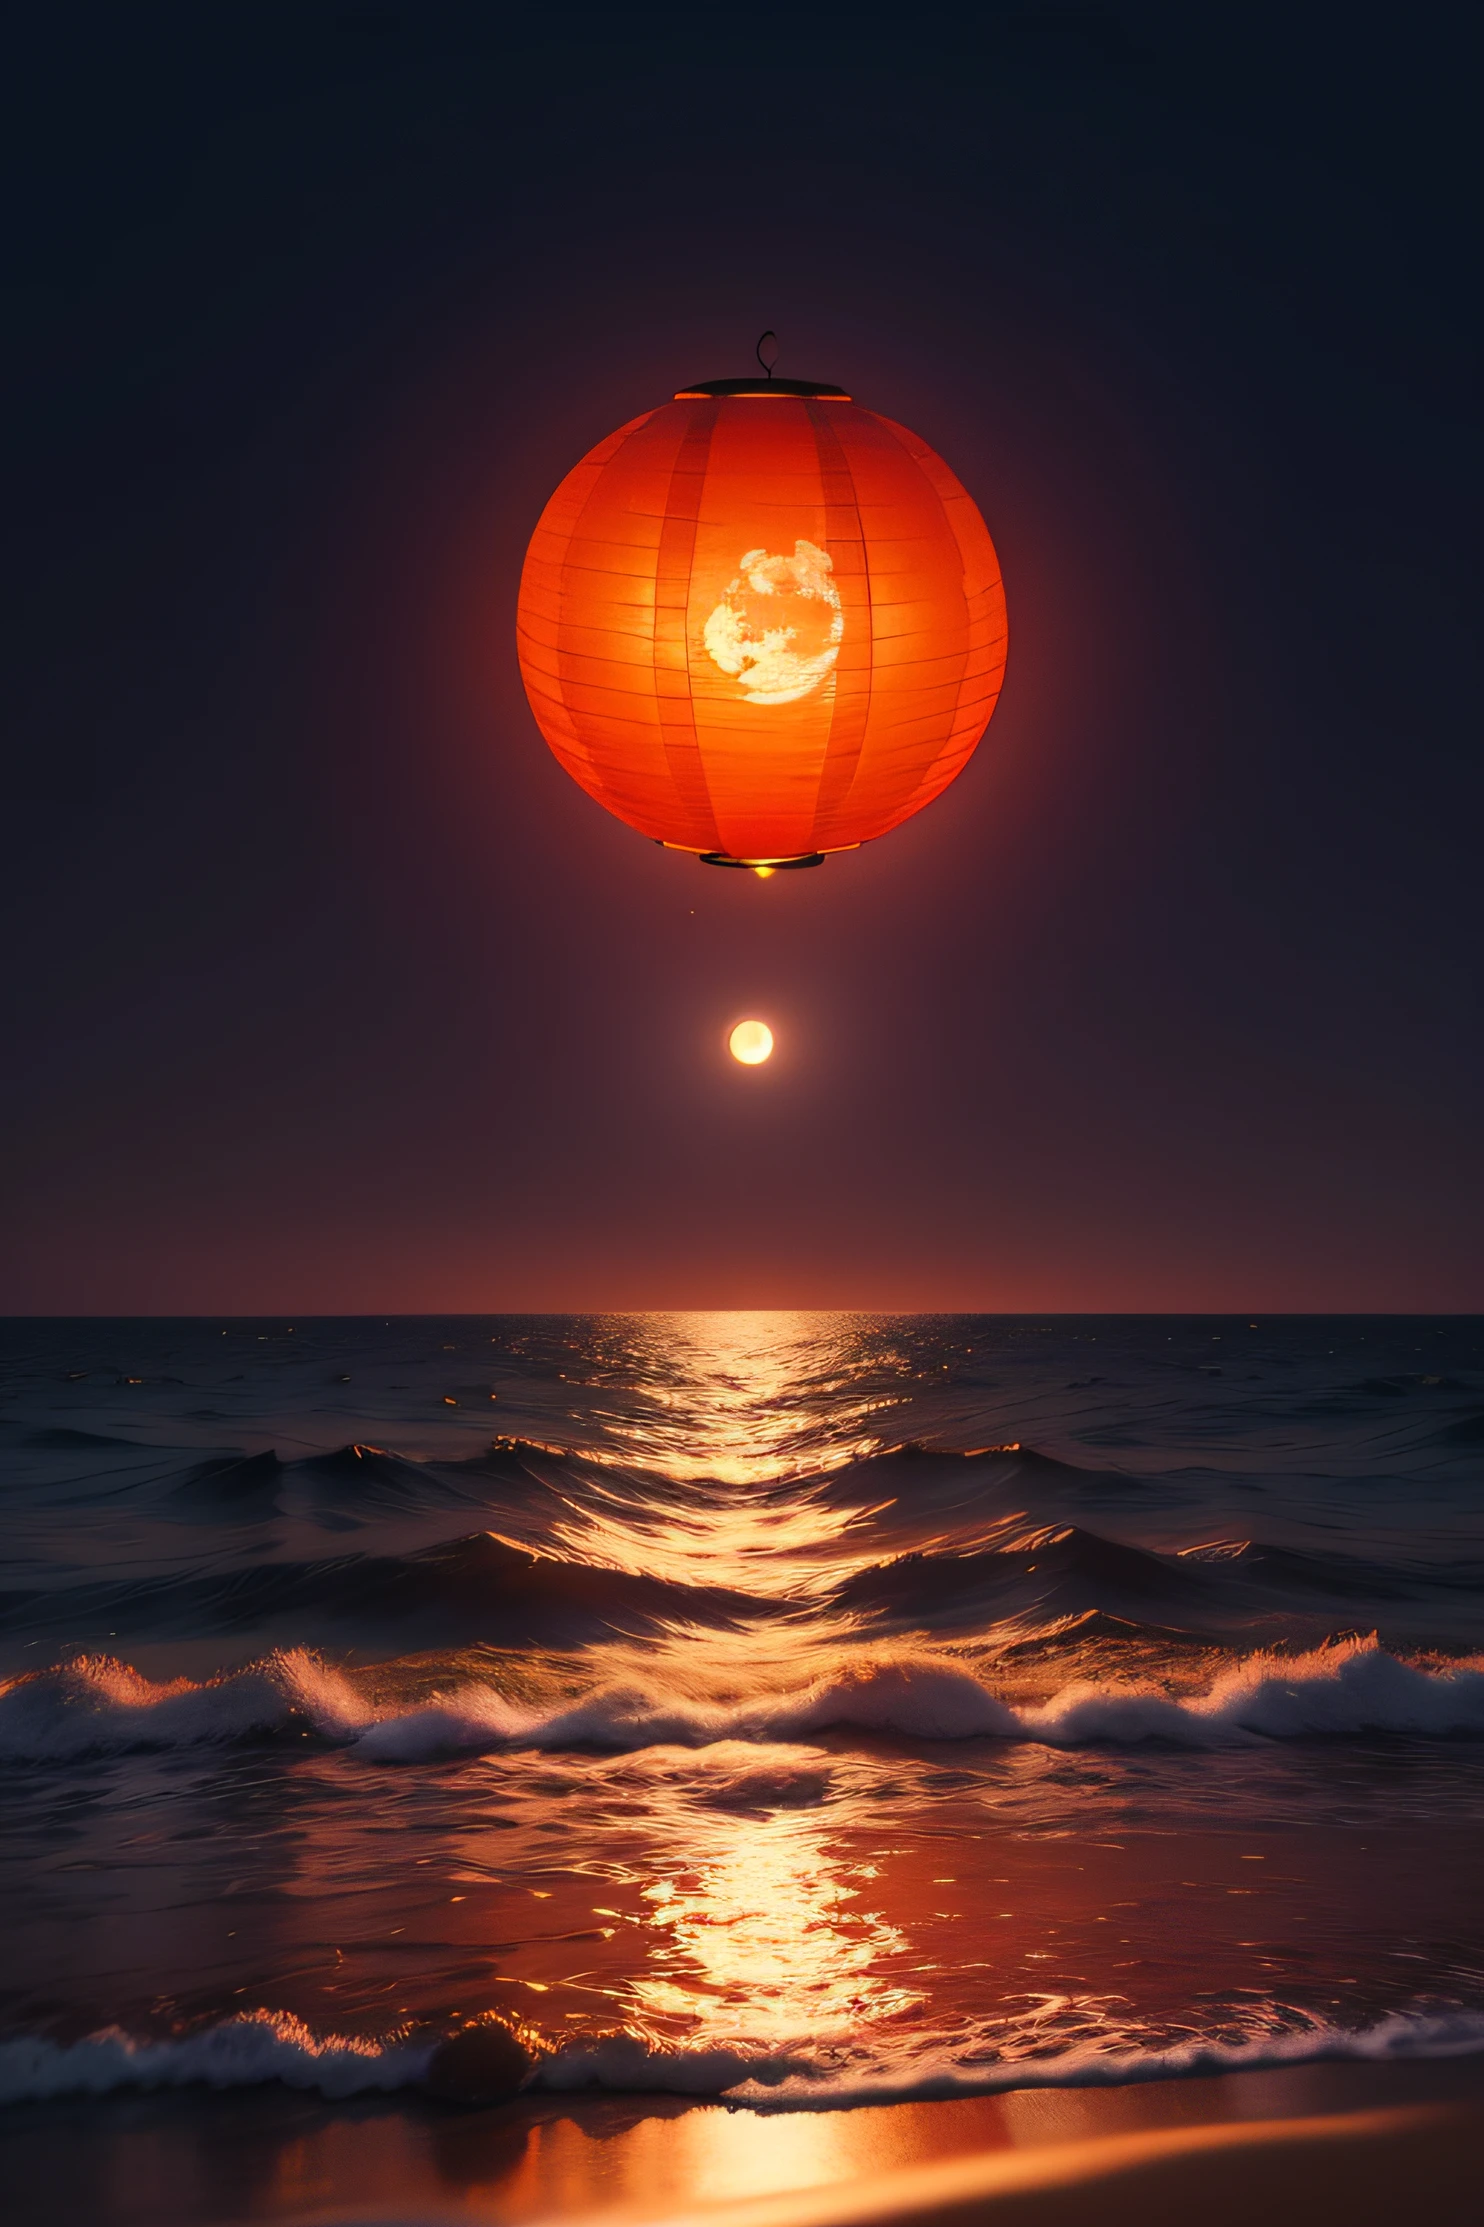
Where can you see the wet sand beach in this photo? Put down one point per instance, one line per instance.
(1310, 2143)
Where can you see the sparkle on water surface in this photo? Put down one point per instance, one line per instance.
(878, 1902)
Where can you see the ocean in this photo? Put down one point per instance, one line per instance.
(789, 1708)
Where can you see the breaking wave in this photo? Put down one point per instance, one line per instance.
(261, 2046)
(96, 1705)
(1353, 1687)
(242, 2052)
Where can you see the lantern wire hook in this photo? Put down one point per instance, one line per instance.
(769, 360)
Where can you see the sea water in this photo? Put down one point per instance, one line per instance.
(798, 1708)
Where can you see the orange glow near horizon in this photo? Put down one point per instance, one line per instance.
(762, 627)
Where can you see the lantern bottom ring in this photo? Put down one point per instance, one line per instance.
(769, 865)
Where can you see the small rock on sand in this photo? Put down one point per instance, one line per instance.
(487, 2062)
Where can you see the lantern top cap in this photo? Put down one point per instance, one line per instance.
(705, 390)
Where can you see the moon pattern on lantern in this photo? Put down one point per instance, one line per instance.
(777, 630)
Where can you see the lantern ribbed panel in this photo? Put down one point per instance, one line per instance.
(762, 625)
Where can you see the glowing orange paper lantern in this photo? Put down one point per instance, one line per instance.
(761, 623)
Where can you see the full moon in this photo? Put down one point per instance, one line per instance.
(751, 1042)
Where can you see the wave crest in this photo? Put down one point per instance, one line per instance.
(1351, 1687)
(260, 2046)
(95, 1703)
(242, 2052)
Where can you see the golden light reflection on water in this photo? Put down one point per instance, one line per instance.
(764, 1932)
(759, 1409)
(760, 1930)
(755, 1396)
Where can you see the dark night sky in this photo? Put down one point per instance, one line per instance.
(324, 988)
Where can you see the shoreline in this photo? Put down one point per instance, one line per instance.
(1328, 2139)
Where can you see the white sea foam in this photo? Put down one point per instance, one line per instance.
(240, 2053)
(95, 1703)
(1351, 1688)
(263, 2046)
(1459, 2034)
